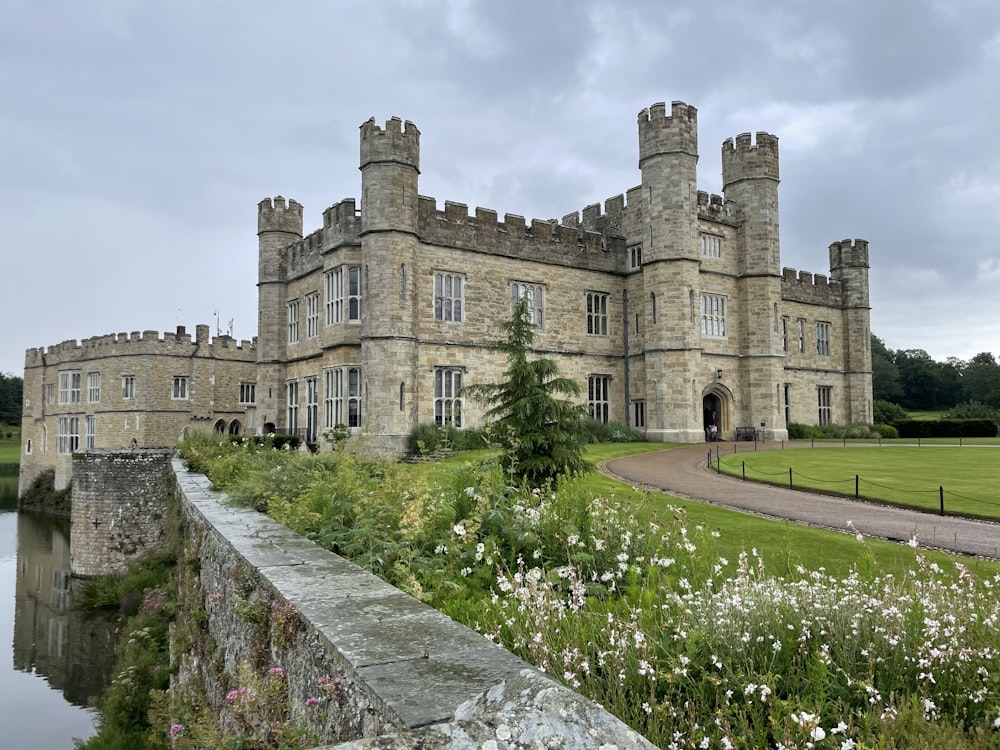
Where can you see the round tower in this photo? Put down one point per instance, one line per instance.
(750, 179)
(391, 285)
(668, 159)
(279, 224)
(849, 266)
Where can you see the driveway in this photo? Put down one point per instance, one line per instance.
(683, 472)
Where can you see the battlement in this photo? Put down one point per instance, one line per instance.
(743, 159)
(715, 208)
(804, 286)
(398, 143)
(544, 240)
(275, 215)
(849, 254)
(660, 133)
(170, 343)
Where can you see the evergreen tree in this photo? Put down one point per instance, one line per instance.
(11, 397)
(541, 433)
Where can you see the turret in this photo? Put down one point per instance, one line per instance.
(849, 265)
(390, 166)
(750, 179)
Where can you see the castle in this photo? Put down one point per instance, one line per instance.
(131, 390)
(670, 308)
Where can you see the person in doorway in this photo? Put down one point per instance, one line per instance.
(713, 429)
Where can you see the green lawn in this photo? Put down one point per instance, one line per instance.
(927, 415)
(906, 475)
(10, 447)
(784, 546)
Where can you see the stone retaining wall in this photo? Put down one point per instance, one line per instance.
(406, 676)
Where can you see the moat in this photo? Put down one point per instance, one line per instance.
(59, 657)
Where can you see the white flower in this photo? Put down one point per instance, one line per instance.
(459, 529)
(817, 734)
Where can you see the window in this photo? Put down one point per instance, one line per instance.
(823, 339)
(248, 393)
(293, 321)
(447, 404)
(652, 305)
(91, 428)
(784, 334)
(128, 386)
(635, 256)
(447, 297)
(802, 335)
(343, 295)
(713, 315)
(531, 292)
(788, 404)
(312, 315)
(343, 397)
(638, 413)
(180, 391)
(711, 246)
(597, 313)
(50, 393)
(292, 400)
(93, 387)
(69, 434)
(27, 447)
(402, 281)
(69, 387)
(597, 396)
(312, 409)
(824, 392)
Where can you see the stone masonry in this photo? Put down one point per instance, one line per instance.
(666, 305)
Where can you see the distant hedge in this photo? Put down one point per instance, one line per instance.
(945, 428)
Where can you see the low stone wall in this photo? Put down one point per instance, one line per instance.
(366, 665)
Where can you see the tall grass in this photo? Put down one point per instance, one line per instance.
(647, 612)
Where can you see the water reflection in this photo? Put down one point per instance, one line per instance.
(8, 493)
(72, 651)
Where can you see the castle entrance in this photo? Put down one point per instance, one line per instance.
(716, 409)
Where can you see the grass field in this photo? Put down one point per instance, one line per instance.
(784, 546)
(10, 447)
(906, 475)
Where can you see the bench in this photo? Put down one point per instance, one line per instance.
(746, 433)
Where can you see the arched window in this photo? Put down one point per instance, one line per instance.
(652, 304)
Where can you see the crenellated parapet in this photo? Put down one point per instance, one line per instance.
(277, 215)
(716, 208)
(814, 289)
(849, 254)
(743, 159)
(169, 343)
(661, 133)
(397, 143)
(543, 240)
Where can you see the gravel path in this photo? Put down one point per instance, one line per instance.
(683, 472)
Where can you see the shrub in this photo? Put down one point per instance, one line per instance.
(887, 431)
(857, 431)
(609, 432)
(946, 428)
(886, 412)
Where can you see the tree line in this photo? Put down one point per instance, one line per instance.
(11, 396)
(915, 381)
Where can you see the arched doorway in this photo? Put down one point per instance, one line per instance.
(716, 409)
(234, 427)
(220, 427)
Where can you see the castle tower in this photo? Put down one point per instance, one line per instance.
(849, 266)
(750, 179)
(390, 167)
(668, 159)
(279, 224)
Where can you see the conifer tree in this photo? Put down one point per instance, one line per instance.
(540, 431)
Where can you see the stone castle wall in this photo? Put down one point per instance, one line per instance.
(119, 508)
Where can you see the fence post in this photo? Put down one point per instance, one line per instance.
(718, 465)
(789, 477)
(941, 493)
(812, 443)
(744, 471)
(782, 444)
(856, 483)
(709, 458)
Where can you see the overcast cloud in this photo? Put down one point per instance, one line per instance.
(136, 138)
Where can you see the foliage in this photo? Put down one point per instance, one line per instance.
(886, 412)
(609, 432)
(11, 398)
(973, 410)
(797, 431)
(887, 431)
(540, 433)
(921, 428)
(429, 439)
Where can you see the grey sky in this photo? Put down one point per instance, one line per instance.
(136, 138)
